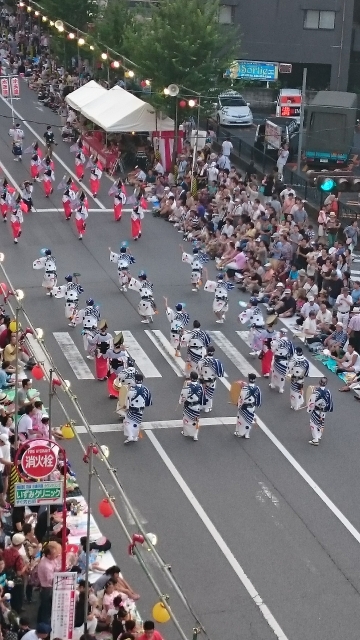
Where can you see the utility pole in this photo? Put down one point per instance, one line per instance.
(302, 112)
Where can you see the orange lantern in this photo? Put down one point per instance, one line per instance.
(105, 508)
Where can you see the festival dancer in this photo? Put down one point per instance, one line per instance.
(298, 369)
(103, 341)
(192, 398)
(16, 219)
(266, 355)
(68, 199)
(197, 261)
(123, 261)
(79, 163)
(196, 341)
(89, 316)
(49, 177)
(137, 215)
(146, 306)
(35, 164)
(178, 319)
(6, 200)
(283, 351)
(320, 403)
(95, 177)
(47, 262)
(17, 135)
(81, 215)
(249, 401)
(118, 360)
(220, 289)
(255, 319)
(122, 384)
(119, 201)
(209, 369)
(70, 292)
(26, 195)
(138, 397)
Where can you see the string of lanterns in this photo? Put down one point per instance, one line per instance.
(73, 33)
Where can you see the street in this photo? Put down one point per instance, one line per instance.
(262, 534)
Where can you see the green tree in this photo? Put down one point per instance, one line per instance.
(182, 43)
(110, 24)
(79, 13)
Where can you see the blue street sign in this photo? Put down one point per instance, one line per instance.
(252, 70)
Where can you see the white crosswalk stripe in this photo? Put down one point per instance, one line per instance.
(313, 371)
(138, 354)
(73, 355)
(167, 351)
(233, 354)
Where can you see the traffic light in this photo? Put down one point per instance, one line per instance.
(328, 181)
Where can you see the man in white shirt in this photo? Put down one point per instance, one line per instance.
(228, 228)
(227, 147)
(323, 317)
(305, 310)
(25, 424)
(344, 303)
(213, 173)
(224, 162)
(349, 362)
(285, 192)
(310, 287)
(309, 327)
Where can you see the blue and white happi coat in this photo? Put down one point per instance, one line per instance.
(283, 351)
(209, 369)
(249, 400)
(138, 398)
(192, 398)
(320, 403)
(298, 369)
(198, 341)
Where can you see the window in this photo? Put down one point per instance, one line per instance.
(226, 14)
(319, 20)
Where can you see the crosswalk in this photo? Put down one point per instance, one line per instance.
(226, 350)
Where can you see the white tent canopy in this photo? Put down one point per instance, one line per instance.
(121, 111)
(85, 94)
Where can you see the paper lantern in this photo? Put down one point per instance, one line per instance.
(105, 508)
(67, 432)
(3, 288)
(37, 372)
(12, 326)
(182, 104)
(160, 613)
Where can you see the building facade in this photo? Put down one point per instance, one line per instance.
(322, 35)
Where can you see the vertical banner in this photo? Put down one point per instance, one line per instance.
(5, 91)
(15, 87)
(63, 606)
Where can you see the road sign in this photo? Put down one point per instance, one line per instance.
(253, 70)
(63, 605)
(5, 91)
(38, 461)
(28, 494)
(15, 87)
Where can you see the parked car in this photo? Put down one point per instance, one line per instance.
(231, 109)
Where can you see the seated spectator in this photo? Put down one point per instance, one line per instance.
(287, 306)
(349, 362)
(336, 341)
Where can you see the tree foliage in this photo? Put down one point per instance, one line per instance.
(182, 43)
(78, 13)
(111, 22)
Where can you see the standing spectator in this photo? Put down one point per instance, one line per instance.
(15, 568)
(150, 632)
(227, 147)
(282, 159)
(333, 227)
(46, 569)
(352, 233)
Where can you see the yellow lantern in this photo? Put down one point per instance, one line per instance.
(67, 432)
(12, 326)
(160, 613)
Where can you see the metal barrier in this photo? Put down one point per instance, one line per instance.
(265, 164)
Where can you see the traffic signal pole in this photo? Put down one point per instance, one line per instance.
(302, 113)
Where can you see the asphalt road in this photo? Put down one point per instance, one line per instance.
(263, 535)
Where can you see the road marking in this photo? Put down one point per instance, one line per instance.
(73, 355)
(9, 176)
(160, 424)
(273, 624)
(233, 354)
(67, 169)
(167, 351)
(313, 371)
(138, 354)
(90, 210)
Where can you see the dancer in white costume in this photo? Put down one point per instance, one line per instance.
(47, 262)
(138, 397)
(249, 401)
(89, 316)
(253, 316)
(210, 369)
(220, 289)
(178, 319)
(146, 306)
(123, 261)
(320, 403)
(196, 340)
(283, 350)
(70, 292)
(192, 398)
(197, 261)
(298, 369)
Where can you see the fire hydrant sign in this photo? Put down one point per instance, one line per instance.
(28, 494)
(15, 87)
(38, 461)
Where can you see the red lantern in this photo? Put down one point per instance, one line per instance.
(182, 104)
(37, 372)
(3, 289)
(105, 508)
(143, 83)
(56, 382)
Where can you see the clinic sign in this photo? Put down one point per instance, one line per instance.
(28, 494)
(253, 70)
